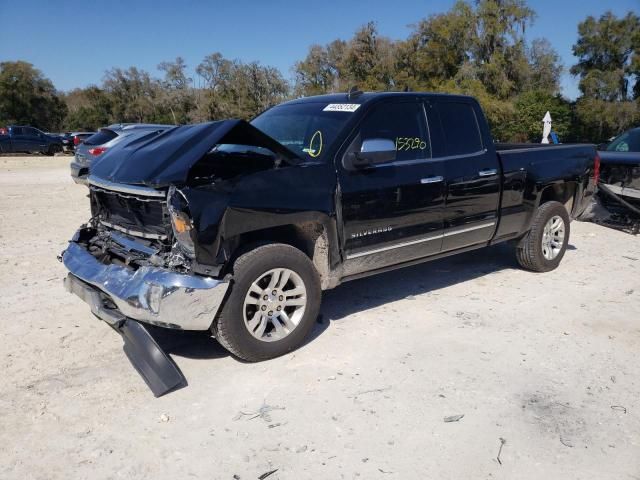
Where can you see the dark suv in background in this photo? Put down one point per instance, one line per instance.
(104, 139)
(25, 139)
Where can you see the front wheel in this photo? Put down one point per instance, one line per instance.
(543, 247)
(273, 303)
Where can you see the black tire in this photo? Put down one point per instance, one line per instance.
(51, 151)
(529, 251)
(229, 327)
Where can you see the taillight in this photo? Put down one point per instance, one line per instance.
(76, 140)
(97, 150)
(596, 169)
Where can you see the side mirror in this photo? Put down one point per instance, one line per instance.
(372, 152)
(602, 146)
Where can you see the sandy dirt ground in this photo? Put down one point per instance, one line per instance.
(543, 365)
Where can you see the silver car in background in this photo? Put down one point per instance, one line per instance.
(104, 139)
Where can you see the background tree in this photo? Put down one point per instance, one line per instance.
(607, 51)
(436, 49)
(369, 60)
(176, 93)
(320, 72)
(27, 97)
(545, 67)
(238, 90)
(88, 109)
(134, 95)
(477, 48)
(531, 106)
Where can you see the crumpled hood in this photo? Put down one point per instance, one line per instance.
(157, 160)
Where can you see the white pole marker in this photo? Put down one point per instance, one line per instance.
(546, 128)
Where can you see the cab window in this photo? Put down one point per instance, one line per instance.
(460, 128)
(402, 123)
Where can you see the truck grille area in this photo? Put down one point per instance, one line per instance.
(144, 217)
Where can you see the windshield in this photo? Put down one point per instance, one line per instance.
(307, 129)
(627, 142)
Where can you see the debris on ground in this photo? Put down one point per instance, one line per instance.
(453, 418)
(264, 412)
(565, 442)
(502, 442)
(266, 474)
(374, 390)
(619, 408)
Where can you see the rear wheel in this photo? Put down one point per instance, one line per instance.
(542, 249)
(272, 305)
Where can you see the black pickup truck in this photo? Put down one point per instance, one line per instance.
(18, 139)
(236, 228)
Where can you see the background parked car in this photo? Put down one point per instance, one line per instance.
(620, 166)
(71, 140)
(24, 139)
(617, 203)
(103, 140)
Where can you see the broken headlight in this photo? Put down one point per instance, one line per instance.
(181, 221)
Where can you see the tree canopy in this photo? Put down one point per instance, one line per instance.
(27, 97)
(476, 47)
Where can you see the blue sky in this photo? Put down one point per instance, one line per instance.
(73, 42)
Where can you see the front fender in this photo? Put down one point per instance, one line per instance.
(293, 195)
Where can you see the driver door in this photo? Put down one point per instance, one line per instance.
(391, 212)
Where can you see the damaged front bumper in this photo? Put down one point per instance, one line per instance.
(149, 294)
(123, 297)
(156, 368)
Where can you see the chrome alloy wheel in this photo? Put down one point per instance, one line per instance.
(553, 237)
(274, 304)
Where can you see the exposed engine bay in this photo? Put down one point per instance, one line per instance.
(133, 230)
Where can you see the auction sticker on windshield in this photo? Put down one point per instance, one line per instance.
(341, 107)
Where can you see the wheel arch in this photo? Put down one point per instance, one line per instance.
(313, 237)
(562, 192)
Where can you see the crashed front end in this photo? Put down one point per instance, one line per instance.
(128, 265)
(150, 255)
(128, 253)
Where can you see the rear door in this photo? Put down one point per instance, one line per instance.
(392, 212)
(472, 174)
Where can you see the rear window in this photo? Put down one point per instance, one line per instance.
(100, 138)
(460, 128)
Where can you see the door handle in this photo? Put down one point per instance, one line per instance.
(487, 172)
(435, 179)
